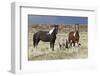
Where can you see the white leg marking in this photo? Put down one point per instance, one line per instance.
(72, 44)
(76, 44)
(71, 41)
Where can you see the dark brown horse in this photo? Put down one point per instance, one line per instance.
(73, 37)
(46, 36)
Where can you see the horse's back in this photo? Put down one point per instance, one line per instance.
(43, 35)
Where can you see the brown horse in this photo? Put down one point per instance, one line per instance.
(73, 37)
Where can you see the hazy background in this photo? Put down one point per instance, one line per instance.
(44, 19)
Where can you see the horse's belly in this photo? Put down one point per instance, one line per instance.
(45, 38)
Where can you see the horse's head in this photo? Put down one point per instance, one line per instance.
(56, 28)
(77, 29)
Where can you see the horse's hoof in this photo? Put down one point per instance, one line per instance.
(79, 44)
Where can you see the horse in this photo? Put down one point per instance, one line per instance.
(46, 36)
(63, 44)
(74, 37)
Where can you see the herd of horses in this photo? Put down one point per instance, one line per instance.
(50, 36)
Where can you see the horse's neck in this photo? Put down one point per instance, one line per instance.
(76, 33)
(51, 31)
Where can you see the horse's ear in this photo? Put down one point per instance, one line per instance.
(55, 25)
(77, 27)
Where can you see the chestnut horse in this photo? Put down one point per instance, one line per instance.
(73, 37)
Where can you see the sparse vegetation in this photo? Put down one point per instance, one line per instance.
(43, 51)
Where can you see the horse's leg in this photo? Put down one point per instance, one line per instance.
(70, 43)
(37, 41)
(52, 46)
(73, 43)
(34, 40)
(77, 43)
(66, 46)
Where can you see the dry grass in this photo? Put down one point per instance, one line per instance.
(43, 52)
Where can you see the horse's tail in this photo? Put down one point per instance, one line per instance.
(34, 39)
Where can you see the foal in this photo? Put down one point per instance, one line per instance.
(63, 44)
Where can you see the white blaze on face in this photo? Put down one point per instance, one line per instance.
(50, 32)
(74, 34)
